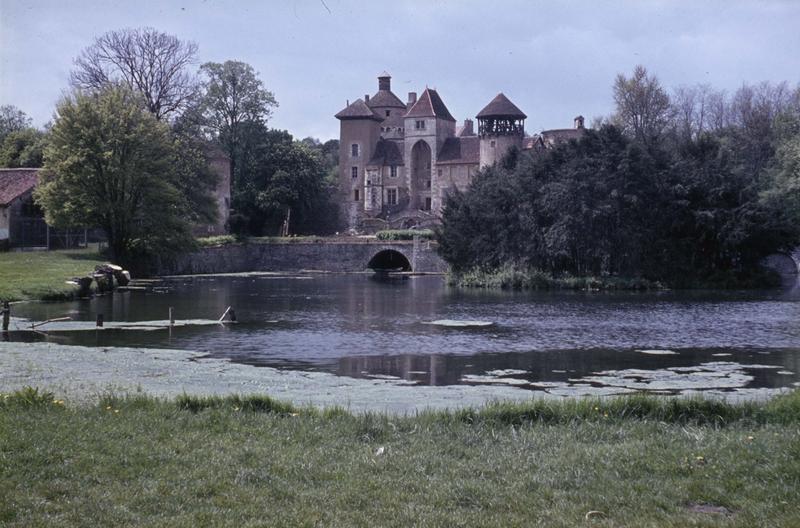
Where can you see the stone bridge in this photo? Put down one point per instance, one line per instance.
(334, 254)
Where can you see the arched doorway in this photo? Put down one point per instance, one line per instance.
(420, 175)
(389, 260)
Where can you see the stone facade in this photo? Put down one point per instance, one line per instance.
(398, 161)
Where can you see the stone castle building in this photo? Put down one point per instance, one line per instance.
(398, 161)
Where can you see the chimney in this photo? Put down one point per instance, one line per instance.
(384, 81)
(412, 98)
(579, 122)
(467, 130)
(366, 98)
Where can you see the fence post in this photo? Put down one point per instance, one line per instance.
(171, 317)
(6, 315)
(99, 320)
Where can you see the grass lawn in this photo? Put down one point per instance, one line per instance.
(42, 274)
(254, 462)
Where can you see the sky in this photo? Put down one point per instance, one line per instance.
(554, 60)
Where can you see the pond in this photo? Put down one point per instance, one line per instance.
(562, 343)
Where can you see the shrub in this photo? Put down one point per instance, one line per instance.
(404, 234)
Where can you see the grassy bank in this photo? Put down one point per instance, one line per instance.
(512, 278)
(42, 274)
(257, 462)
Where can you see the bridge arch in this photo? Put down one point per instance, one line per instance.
(389, 259)
(786, 264)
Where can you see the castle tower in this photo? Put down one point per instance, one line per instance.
(428, 123)
(359, 132)
(501, 125)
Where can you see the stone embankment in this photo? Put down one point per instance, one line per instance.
(335, 255)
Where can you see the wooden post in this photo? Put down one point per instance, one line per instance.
(171, 317)
(6, 315)
(233, 315)
(99, 320)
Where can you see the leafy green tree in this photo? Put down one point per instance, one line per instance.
(12, 119)
(281, 174)
(234, 98)
(23, 148)
(112, 164)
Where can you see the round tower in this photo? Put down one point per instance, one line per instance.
(501, 125)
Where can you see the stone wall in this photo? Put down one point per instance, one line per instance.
(342, 256)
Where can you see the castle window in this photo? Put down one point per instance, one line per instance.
(440, 172)
(391, 196)
(428, 203)
(427, 184)
(393, 171)
(354, 172)
(387, 113)
(420, 124)
(354, 150)
(355, 195)
(492, 143)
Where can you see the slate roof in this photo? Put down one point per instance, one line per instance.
(387, 153)
(459, 150)
(358, 109)
(501, 106)
(430, 104)
(16, 182)
(385, 99)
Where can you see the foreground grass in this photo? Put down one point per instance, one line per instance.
(42, 274)
(252, 461)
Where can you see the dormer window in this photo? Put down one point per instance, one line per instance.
(354, 150)
(388, 113)
(420, 124)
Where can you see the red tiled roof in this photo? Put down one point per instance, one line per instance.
(501, 106)
(16, 182)
(459, 150)
(430, 104)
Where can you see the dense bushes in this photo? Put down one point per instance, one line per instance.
(684, 213)
(404, 234)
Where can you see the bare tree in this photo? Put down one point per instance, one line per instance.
(145, 60)
(642, 105)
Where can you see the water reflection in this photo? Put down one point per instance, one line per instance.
(354, 325)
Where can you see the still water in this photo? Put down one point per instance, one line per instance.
(559, 342)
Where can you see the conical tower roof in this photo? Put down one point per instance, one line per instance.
(501, 106)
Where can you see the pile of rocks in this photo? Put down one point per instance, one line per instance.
(106, 276)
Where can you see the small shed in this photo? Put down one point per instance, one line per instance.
(17, 210)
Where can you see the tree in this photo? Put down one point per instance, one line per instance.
(12, 119)
(111, 164)
(23, 148)
(146, 61)
(278, 174)
(233, 96)
(642, 105)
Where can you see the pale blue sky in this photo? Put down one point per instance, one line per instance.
(553, 59)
